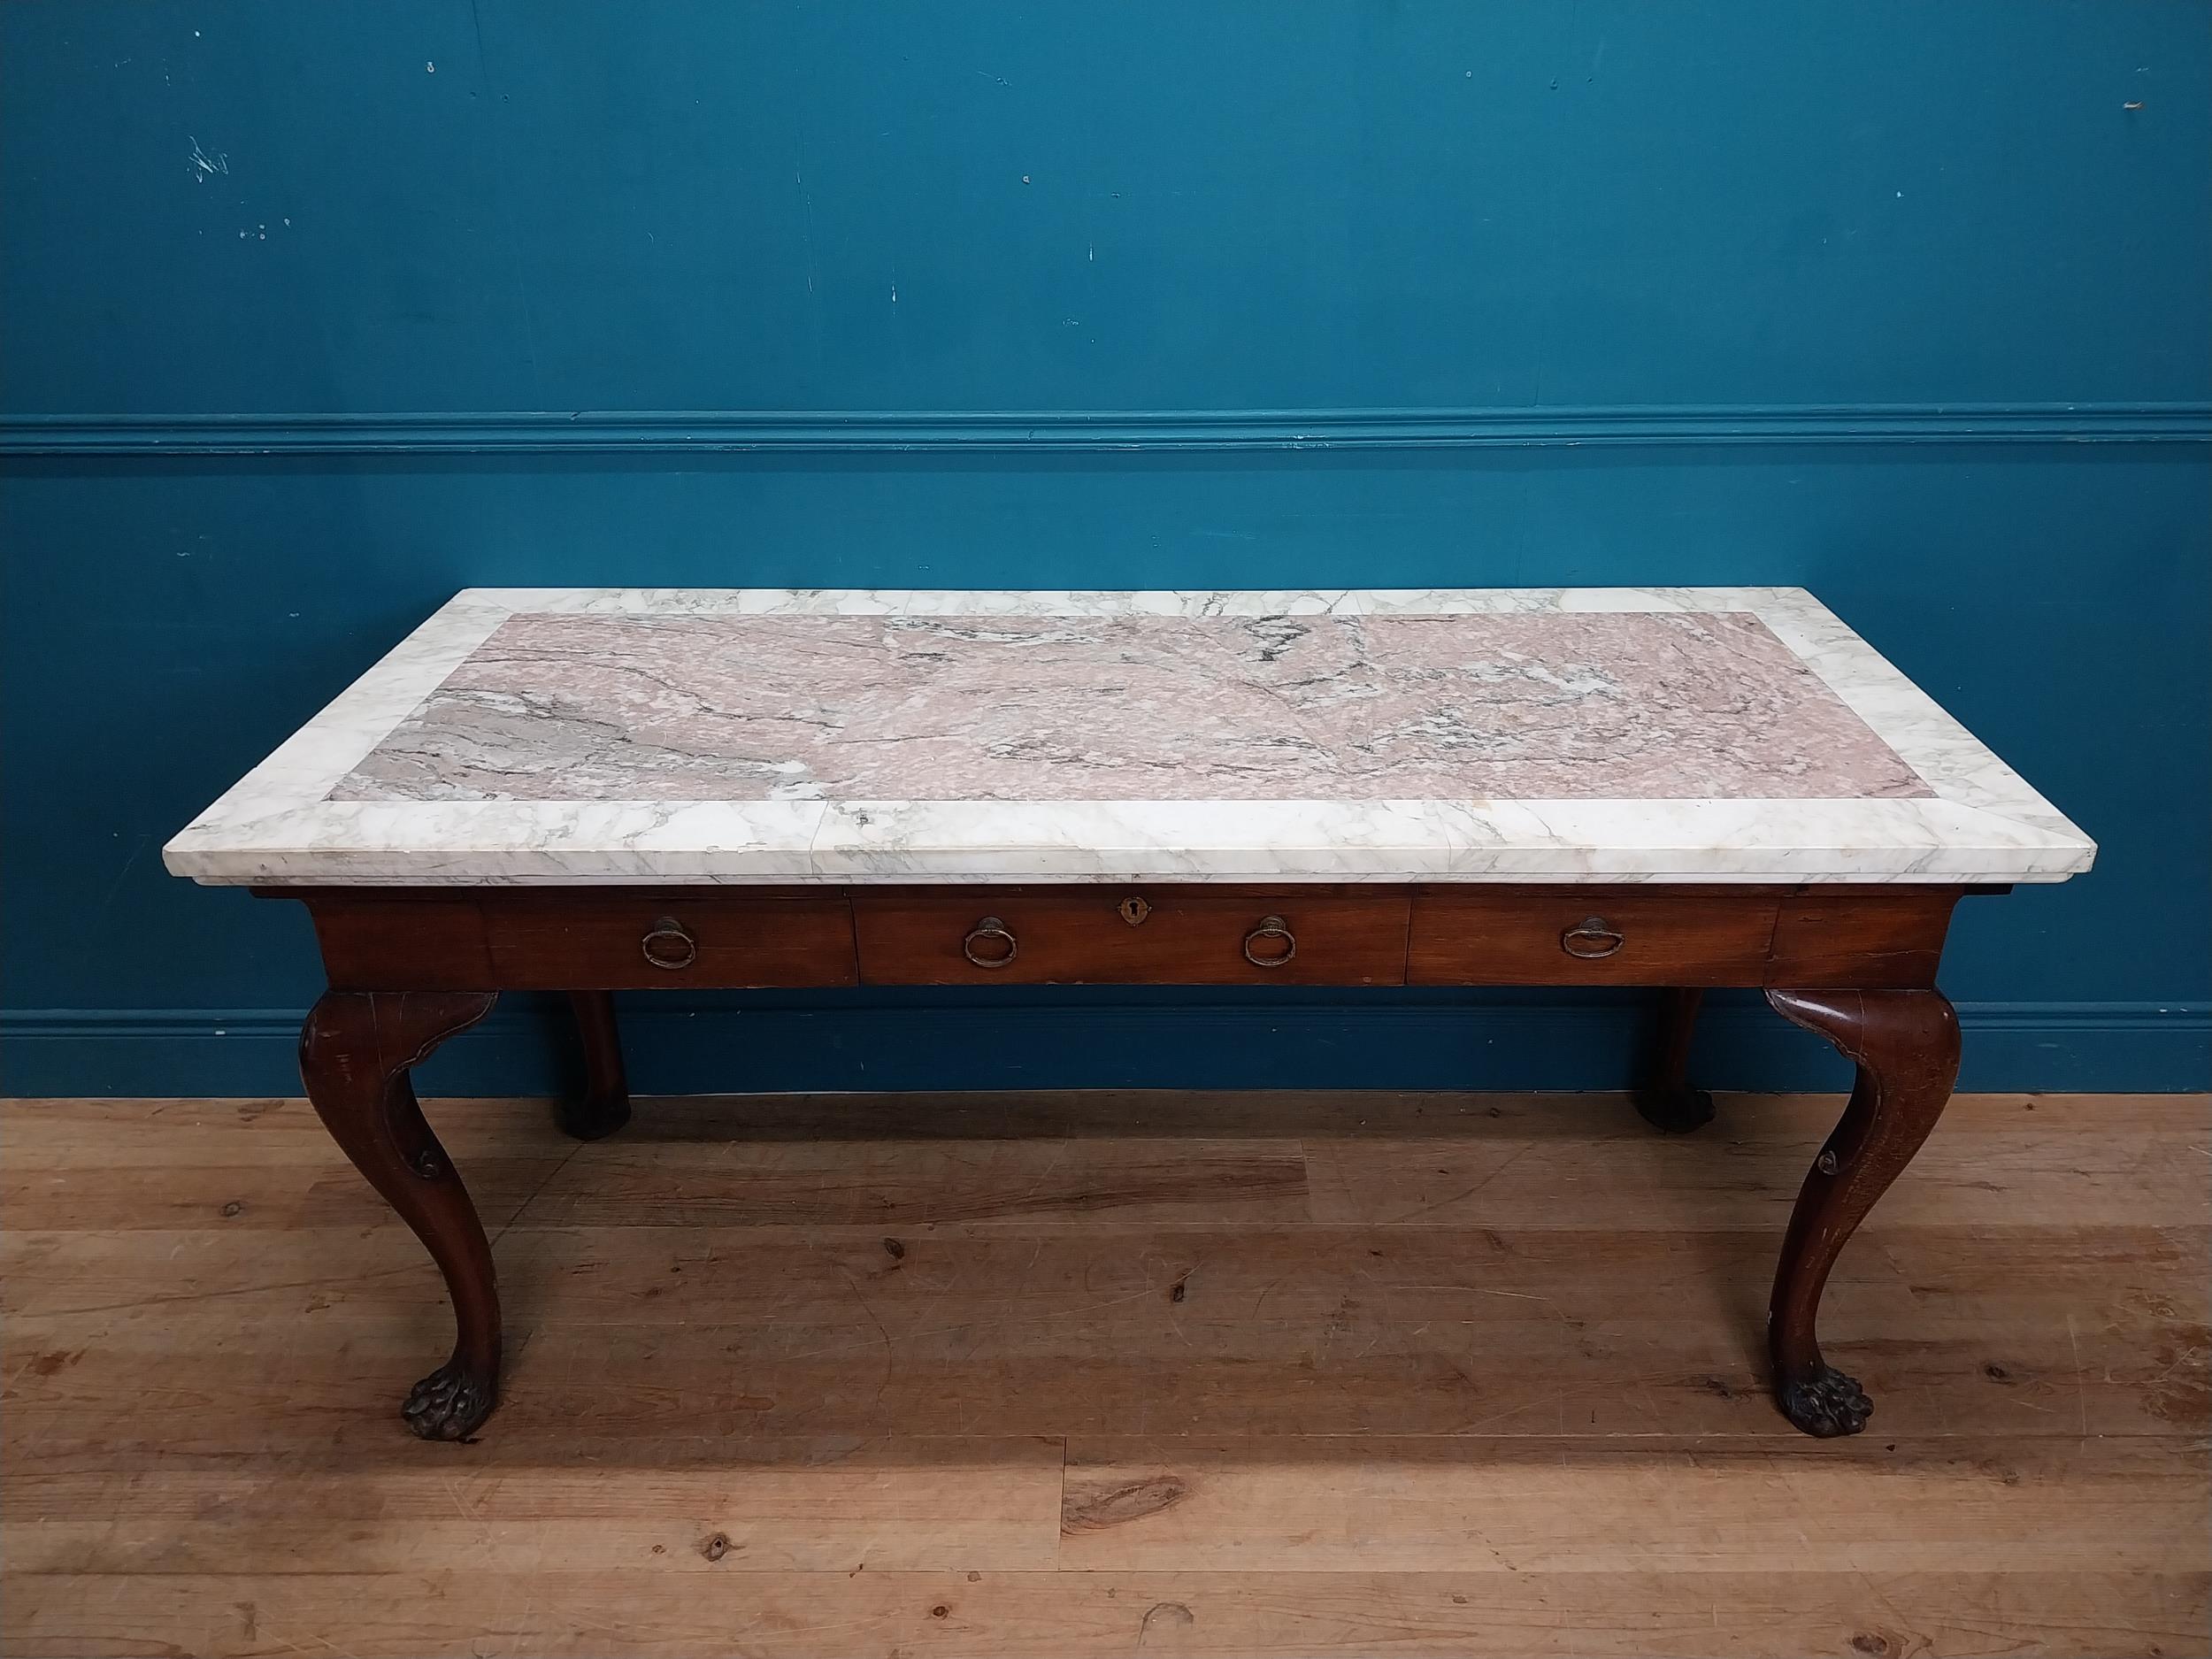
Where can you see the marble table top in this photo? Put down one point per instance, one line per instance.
(593, 735)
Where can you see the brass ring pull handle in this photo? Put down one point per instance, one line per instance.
(667, 945)
(1591, 939)
(1271, 928)
(990, 928)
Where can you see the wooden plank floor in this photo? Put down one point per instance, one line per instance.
(1072, 1375)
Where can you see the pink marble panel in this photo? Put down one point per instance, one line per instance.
(1636, 706)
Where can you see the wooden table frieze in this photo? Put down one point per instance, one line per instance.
(591, 791)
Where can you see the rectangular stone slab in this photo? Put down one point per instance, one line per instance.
(567, 735)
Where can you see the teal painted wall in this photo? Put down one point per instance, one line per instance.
(309, 315)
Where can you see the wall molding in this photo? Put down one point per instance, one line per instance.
(678, 1045)
(497, 432)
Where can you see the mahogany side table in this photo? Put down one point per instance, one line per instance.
(594, 790)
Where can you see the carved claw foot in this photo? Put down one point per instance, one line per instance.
(449, 1404)
(1674, 1111)
(1826, 1404)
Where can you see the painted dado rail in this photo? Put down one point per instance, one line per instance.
(834, 431)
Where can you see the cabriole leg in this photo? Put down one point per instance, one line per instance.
(1906, 1047)
(605, 1105)
(1663, 1096)
(354, 1052)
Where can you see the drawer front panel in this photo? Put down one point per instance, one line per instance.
(660, 941)
(1591, 935)
(1115, 935)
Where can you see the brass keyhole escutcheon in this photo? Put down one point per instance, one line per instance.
(1133, 909)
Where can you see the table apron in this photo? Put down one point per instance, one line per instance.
(655, 938)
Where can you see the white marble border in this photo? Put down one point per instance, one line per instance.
(1984, 824)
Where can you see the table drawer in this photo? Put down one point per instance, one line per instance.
(1131, 935)
(1716, 935)
(656, 940)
